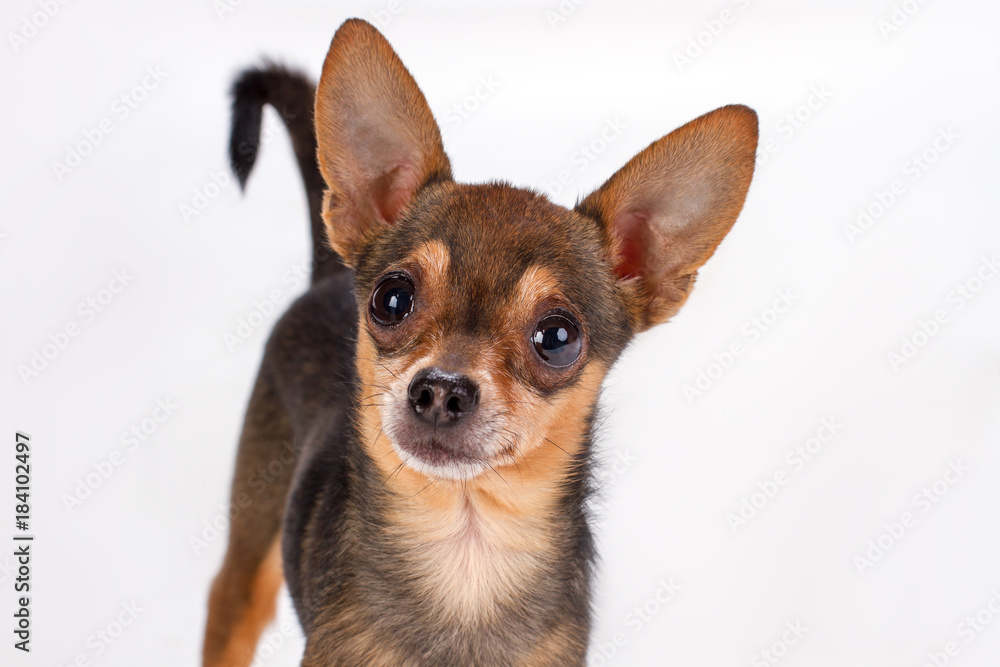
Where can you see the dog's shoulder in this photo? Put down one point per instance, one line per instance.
(318, 330)
(310, 353)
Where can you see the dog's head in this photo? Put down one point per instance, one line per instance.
(489, 316)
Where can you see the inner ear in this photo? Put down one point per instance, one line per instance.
(392, 191)
(632, 236)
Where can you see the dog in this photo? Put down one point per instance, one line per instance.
(431, 398)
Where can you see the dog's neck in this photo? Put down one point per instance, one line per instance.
(475, 544)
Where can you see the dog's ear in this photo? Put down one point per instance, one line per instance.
(378, 140)
(664, 213)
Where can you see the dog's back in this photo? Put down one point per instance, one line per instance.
(302, 391)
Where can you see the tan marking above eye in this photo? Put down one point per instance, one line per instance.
(428, 264)
(536, 284)
(434, 260)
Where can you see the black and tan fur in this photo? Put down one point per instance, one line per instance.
(388, 562)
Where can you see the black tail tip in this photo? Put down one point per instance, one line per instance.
(249, 95)
(286, 89)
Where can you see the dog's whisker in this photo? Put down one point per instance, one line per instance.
(551, 442)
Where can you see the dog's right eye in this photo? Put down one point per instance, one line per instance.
(557, 340)
(392, 300)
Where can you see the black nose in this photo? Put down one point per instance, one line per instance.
(442, 398)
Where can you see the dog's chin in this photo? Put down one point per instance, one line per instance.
(433, 458)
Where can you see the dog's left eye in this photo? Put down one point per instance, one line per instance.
(557, 340)
(392, 300)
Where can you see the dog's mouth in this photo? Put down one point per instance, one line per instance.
(437, 452)
(438, 457)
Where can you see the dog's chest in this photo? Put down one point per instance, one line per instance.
(459, 587)
(469, 568)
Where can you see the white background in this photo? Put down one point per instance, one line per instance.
(691, 463)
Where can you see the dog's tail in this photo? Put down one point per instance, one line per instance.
(291, 94)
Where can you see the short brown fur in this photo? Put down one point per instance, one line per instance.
(442, 398)
(248, 619)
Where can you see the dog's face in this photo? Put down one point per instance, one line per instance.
(489, 315)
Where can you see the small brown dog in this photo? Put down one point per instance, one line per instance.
(439, 379)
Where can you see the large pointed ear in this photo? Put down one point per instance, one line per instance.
(378, 140)
(664, 213)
